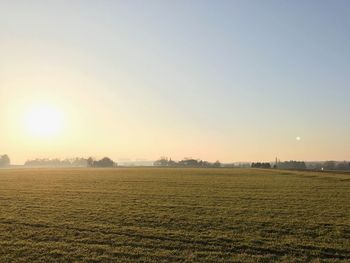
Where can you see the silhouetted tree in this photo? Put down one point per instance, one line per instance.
(171, 163)
(5, 160)
(163, 161)
(104, 162)
(90, 162)
(217, 164)
(261, 165)
(189, 163)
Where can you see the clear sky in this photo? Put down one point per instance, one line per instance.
(228, 80)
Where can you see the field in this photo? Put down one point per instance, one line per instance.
(168, 215)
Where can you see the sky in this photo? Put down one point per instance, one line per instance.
(215, 80)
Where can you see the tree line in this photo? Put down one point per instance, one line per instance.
(301, 165)
(288, 165)
(73, 162)
(56, 162)
(187, 162)
(330, 165)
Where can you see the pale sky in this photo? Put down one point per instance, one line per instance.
(227, 80)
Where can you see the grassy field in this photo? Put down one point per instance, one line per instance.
(168, 215)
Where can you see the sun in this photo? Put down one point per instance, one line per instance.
(44, 121)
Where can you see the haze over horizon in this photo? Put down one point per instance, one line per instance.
(216, 80)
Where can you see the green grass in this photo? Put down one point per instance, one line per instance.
(168, 215)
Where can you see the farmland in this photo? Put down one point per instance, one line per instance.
(168, 215)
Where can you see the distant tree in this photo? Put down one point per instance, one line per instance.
(90, 162)
(163, 161)
(171, 163)
(206, 164)
(5, 160)
(342, 166)
(314, 165)
(329, 165)
(104, 162)
(217, 164)
(266, 165)
(261, 165)
(189, 163)
(81, 162)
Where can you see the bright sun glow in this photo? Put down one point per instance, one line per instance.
(44, 121)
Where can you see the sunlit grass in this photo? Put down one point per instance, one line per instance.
(166, 215)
